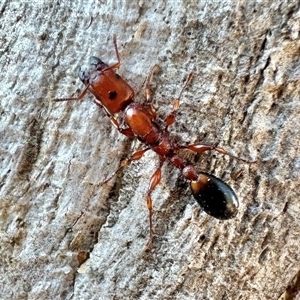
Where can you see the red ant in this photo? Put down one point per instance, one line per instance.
(115, 95)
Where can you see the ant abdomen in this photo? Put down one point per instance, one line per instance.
(215, 196)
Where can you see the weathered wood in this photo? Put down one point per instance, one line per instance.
(54, 212)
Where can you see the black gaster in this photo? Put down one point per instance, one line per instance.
(217, 198)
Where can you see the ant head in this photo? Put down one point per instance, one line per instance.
(91, 71)
(215, 196)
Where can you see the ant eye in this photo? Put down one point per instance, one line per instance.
(83, 77)
(97, 63)
(94, 61)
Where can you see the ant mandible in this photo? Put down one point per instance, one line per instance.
(116, 97)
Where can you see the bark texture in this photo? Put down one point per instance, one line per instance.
(63, 235)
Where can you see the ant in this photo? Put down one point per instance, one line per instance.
(116, 97)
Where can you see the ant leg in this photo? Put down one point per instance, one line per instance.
(126, 131)
(79, 97)
(170, 119)
(155, 179)
(135, 156)
(201, 148)
(148, 93)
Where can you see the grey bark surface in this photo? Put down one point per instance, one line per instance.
(64, 235)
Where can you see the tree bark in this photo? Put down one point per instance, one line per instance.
(65, 235)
